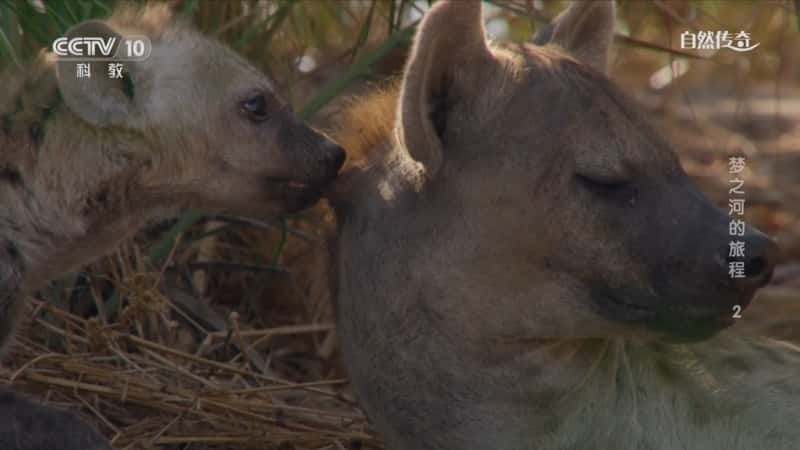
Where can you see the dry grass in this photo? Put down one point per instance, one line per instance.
(168, 371)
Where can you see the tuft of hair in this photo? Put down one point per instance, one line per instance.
(365, 125)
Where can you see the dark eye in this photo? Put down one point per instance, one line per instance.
(255, 108)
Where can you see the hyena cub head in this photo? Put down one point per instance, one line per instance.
(87, 158)
(574, 215)
(216, 133)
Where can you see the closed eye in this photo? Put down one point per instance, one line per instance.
(604, 182)
(614, 189)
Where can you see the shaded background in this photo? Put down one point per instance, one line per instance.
(216, 332)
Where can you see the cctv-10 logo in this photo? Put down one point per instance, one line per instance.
(98, 48)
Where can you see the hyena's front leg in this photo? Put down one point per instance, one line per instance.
(25, 425)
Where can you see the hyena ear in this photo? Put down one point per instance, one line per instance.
(449, 50)
(96, 97)
(586, 30)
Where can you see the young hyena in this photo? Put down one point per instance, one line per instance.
(85, 162)
(523, 264)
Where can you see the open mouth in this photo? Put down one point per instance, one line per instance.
(287, 183)
(296, 184)
(296, 194)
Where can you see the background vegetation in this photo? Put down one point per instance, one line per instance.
(216, 331)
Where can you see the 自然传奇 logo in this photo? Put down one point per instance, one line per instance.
(717, 40)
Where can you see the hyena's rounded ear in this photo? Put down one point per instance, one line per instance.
(449, 51)
(585, 30)
(88, 85)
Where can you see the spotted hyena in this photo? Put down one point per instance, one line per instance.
(523, 263)
(86, 161)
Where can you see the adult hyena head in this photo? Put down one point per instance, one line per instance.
(567, 209)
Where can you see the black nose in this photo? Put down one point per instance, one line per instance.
(334, 157)
(759, 262)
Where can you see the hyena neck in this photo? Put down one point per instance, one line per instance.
(730, 392)
(422, 392)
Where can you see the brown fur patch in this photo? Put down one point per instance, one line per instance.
(366, 124)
